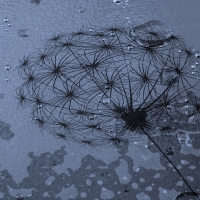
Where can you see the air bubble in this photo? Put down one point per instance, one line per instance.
(117, 1)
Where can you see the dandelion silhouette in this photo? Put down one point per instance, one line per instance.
(109, 86)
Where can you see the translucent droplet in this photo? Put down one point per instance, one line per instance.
(179, 51)
(9, 24)
(183, 137)
(197, 63)
(107, 86)
(81, 9)
(40, 106)
(5, 20)
(130, 47)
(197, 55)
(29, 195)
(117, 1)
(170, 151)
(7, 67)
(193, 72)
(193, 66)
(106, 100)
(92, 117)
(127, 18)
(7, 79)
(19, 197)
(91, 30)
(168, 106)
(112, 34)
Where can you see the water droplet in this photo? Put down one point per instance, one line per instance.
(130, 47)
(106, 100)
(193, 66)
(92, 117)
(170, 151)
(7, 79)
(112, 34)
(7, 67)
(197, 55)
(19, 197)
(81, 9)
(91, 30)
(197, 63)
(183, 137)
(179, 51)
(9, 24)
(6, 29)
(193, 72)
(118, 1)
(29, 195)
(168, 106)
(127, 18)
(5, 20)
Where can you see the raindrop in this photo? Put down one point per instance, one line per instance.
(117, 1)
(193, 72)
(127, 18)
(193, 66)
(9, 24)
(5, 20)
(197, 63)
(170, 151)
(179, 51)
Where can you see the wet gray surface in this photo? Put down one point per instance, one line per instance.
(36, 165)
